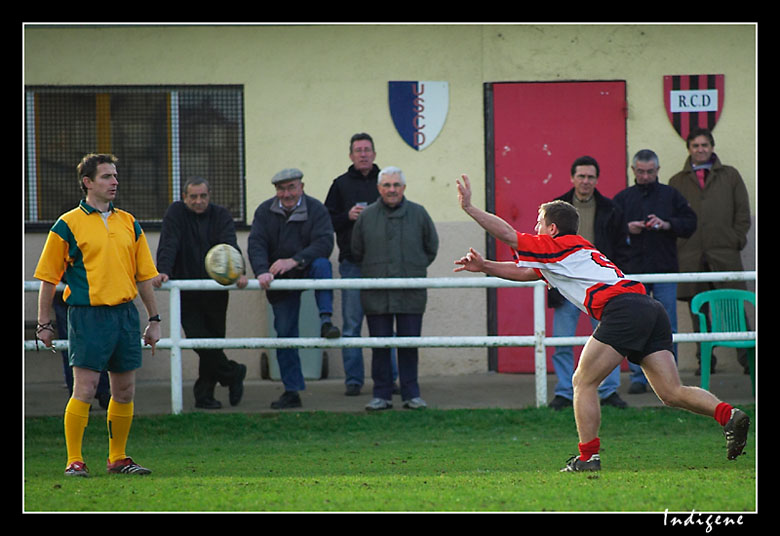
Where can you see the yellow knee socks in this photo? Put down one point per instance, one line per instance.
(76, 417)
(119, 418)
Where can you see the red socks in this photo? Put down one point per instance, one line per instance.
(723, 413)
(589, 449)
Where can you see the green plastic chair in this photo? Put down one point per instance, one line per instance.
(727, 314)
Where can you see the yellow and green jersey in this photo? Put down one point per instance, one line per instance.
(101, 256)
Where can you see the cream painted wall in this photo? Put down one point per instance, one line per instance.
(309, 88)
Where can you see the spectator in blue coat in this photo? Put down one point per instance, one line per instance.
(656, 215)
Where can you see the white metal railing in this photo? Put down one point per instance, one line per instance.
(538, 340)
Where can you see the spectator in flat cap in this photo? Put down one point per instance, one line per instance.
(292, 238)
(286, 175)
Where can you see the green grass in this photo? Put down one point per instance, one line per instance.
(653, 459)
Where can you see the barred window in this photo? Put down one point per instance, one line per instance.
(162, 135)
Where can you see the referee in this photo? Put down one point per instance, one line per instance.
(105, 257)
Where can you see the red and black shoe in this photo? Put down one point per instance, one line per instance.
(126, 466)
(77, 469)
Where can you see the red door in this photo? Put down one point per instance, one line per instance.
(538, 129)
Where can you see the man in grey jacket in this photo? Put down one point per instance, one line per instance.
(394, 237)
(292, 237)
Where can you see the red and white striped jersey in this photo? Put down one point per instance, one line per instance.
(580, 272)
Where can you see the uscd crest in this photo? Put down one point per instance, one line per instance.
(693, 101)
(419, 110)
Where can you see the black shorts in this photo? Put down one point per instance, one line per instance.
(635, 325)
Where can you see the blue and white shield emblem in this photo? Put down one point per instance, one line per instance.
(419, 110)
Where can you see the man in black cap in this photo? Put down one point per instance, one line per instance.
(292, 238)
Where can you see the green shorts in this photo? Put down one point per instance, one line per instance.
(104, 338)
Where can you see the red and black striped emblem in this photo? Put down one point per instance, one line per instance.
(693, 101)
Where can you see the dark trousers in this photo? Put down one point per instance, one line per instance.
(203, 316)
(406, 325)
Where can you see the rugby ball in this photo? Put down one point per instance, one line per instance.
(224, 264)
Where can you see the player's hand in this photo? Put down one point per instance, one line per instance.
(242, 282)
(471, 262)
(152, 334)
(464, 191)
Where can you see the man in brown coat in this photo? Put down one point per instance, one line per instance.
(718, 195)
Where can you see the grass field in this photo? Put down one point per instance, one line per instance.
(653, 459)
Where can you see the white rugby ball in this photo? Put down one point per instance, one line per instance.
(224, 264)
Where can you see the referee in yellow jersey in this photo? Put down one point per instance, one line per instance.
(105, 257)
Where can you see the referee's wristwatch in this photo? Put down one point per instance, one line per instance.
(155, 318)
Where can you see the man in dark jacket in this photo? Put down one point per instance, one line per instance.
(349, 194)
(656, 216)
(601, 223)
(292, 237)
(190, 228)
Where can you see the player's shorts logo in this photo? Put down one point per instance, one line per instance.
(693, 101)
(419, 110)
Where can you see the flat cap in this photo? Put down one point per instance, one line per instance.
(286, 175)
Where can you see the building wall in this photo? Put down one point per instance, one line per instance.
(308, 88)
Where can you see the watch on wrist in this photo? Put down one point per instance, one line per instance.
(155, 318)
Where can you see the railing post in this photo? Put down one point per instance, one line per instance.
(176, 382)
(540, 353)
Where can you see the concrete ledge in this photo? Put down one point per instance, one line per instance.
(475, 391)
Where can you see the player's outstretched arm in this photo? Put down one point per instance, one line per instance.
(495, 226)
(474, 262)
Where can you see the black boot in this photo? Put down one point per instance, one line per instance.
(236, 387)
(204, 395)
(289, 399)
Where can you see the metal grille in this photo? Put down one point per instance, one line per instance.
(162, 135)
